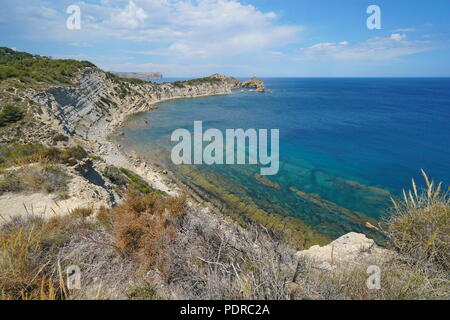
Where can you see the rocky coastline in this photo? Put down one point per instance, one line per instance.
(92, 109)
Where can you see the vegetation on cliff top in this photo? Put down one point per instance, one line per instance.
(30, 68)
(125, 80)
(193, 82)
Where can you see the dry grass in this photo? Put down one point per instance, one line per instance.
(29, 246)
(419, 226)
(82, 212)
(399, 281)
(69, 156)
(34, 178)
(22, 154)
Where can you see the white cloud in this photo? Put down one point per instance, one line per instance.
(404, 30)
(170, 69)
(398, 36)
(180, 28)
(377, 48)
(79, 44)
(200, 29)
(131, 17)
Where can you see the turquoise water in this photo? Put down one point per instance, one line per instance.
(345, 144)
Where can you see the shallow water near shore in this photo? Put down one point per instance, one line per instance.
(346, 145)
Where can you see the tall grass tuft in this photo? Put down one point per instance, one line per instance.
(30, 268)
(419, 225)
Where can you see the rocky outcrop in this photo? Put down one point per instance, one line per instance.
(350, 249)
(254, 83)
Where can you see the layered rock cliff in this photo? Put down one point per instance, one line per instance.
(97, 100)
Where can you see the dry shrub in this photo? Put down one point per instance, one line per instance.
(144, 226)
(69, 156)
(215, 259)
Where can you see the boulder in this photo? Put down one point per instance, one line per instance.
(352, 248)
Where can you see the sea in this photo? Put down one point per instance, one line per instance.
(347, 145)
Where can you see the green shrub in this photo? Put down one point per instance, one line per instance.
(116, 176)
(125, 178)
(60, 137)
(182, 84)
(144, 292)
(136, 182)
(10, 114)
(118, 79)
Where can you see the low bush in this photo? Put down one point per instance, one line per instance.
(399, 281)
(125, 178)
(60, 137)
(10, 114)
(143, 292)
(116, 176)
(40, 178)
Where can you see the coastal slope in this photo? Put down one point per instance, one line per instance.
(79, 201)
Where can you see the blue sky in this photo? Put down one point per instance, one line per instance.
(184, 38)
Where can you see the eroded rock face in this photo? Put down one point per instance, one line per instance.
(350, 249)
(96, 102)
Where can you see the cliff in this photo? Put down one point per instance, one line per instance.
(97, 102)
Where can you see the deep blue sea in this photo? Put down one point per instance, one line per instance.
(346, 144)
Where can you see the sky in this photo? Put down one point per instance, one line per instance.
(265, 38)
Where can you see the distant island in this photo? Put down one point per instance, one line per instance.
(139, 75)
